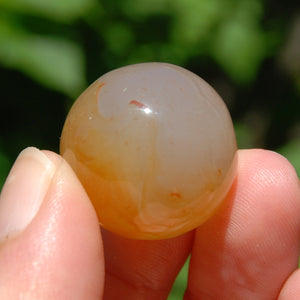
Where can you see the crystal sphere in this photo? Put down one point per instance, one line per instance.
(154, 146)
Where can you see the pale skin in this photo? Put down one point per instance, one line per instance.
(248, 250)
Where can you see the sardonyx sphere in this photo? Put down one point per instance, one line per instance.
(154, 146)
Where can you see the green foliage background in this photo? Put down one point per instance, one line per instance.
(248, 50)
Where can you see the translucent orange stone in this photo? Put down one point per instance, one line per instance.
(154, 146)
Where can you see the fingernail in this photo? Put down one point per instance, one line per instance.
(24, 190)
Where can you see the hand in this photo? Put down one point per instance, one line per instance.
(51, 246)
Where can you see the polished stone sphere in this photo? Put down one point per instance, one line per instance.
(154, 146)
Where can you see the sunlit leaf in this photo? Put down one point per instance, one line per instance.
(239, 44)
(193, 19)
(52, 61)
(239, 48)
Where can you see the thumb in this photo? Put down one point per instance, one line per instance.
(50, 244)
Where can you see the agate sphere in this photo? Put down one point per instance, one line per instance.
(154, 146)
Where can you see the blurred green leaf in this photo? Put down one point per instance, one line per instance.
(240, 44)
(140, 9)
(291, 151)
(55, 62)
(244, 135)
(119, 37)
(180, 283)
(194, 20)
(60, 10)
(5, 164)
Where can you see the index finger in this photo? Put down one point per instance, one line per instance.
(250, 247)
(140, 269)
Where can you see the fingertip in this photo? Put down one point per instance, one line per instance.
(291, 288)
(273, 166)
(59, 253)
(24, 191)
(273, 178)
(143, 269)
(257, 225)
